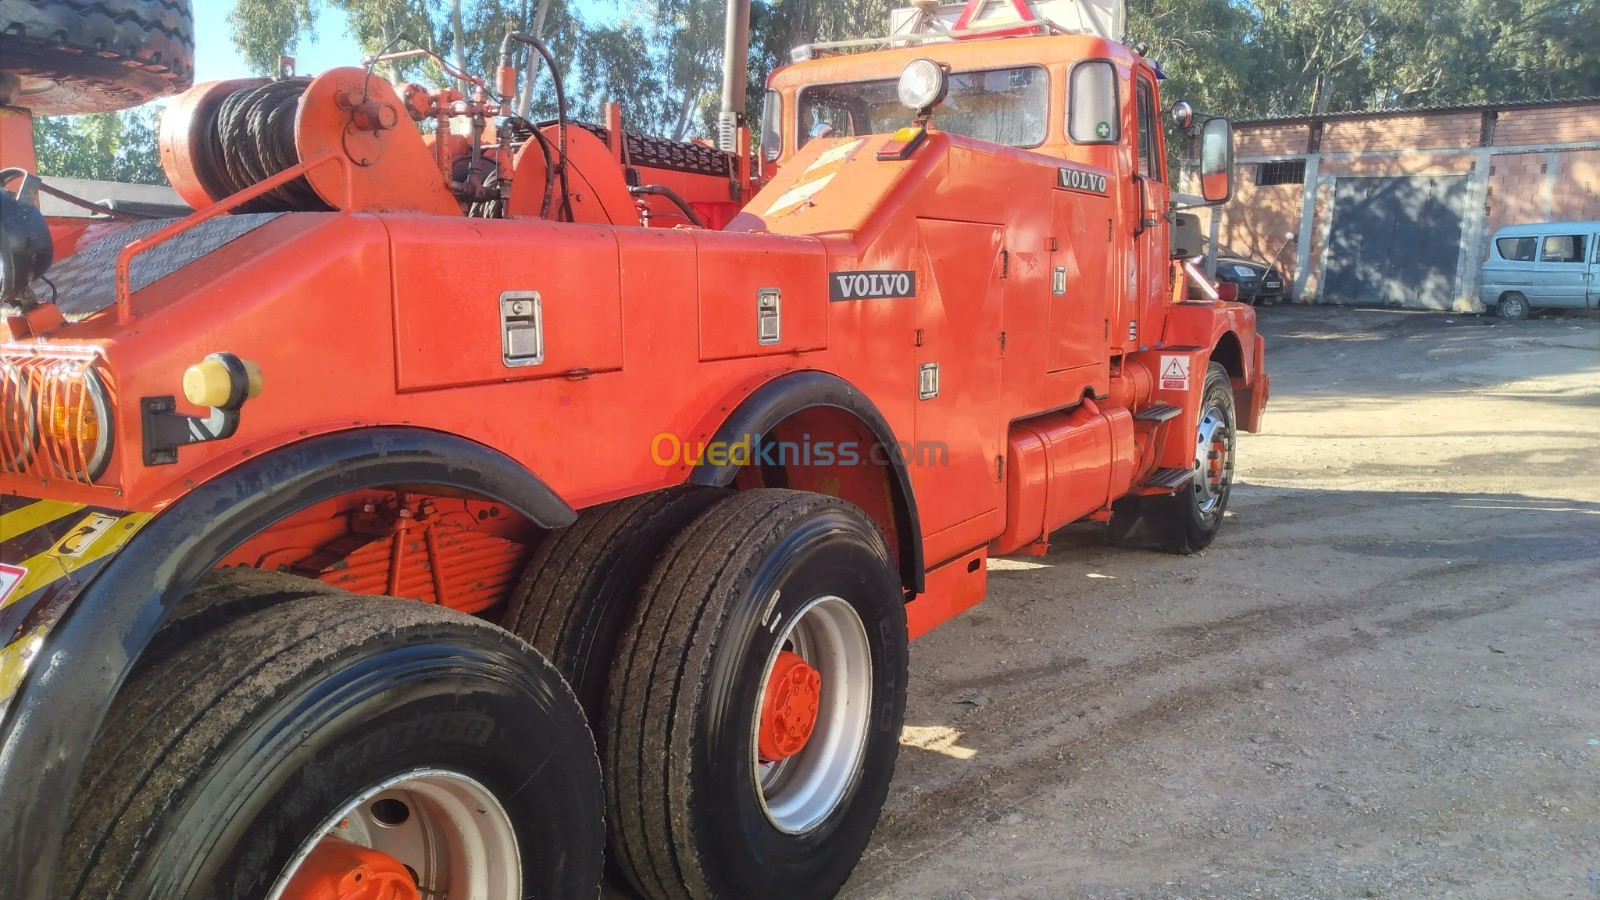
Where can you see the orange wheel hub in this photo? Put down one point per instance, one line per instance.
(340, 870)
(789, 710)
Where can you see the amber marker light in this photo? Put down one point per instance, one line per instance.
(74, 422)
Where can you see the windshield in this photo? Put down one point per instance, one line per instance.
(1006, 106)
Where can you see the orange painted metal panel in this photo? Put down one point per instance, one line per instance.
(447, 318)
(1081, 318)
(959, 316)
(734, 269)
(953, 588)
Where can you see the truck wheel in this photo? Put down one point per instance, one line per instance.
(1188, 521)
(754, 714)
(582, 586)
(222, 597)
(1513, 306)
(87, 56)
(326, 741)
(1214, 446)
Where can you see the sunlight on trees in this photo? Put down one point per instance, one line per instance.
(662, 60)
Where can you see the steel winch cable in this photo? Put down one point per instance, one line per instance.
(249, 139)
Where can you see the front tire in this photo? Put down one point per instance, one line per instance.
(1513, 306)
(227, 768)
(1188, 521)
(754, 716)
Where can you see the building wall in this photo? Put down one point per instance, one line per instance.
(1541, 165)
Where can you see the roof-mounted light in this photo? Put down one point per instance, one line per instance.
(923, 85)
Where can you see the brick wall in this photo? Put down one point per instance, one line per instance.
(1452, 131)
(1271, 140)
(1543, 187)
(1552, 125)
(1256, 221)
(1410, 164)
(1575, 193)
(1528, 183)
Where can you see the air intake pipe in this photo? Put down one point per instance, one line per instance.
(735, 76)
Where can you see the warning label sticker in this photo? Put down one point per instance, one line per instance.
(1174, 373)
(10, 577)
(80, 539)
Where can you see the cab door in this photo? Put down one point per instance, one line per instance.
(1564, 266)
(1152, 238)
(1593, 296)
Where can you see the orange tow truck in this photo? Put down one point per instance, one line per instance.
(437, 503)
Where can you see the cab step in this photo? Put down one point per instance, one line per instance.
(1170, 479)
(1161, 413)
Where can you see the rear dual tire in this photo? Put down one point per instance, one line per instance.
(694, 812)
(224, 761)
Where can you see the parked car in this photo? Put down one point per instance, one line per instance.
(1259, 283)
(1546, 265)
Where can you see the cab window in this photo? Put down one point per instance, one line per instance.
(1149, 129)
(1565, 248)
(1094, 117)
(772, 126)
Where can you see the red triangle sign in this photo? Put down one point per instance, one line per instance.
(975, 9)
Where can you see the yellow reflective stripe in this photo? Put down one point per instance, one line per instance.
(21, 521)
(14, 662)
(67, 557)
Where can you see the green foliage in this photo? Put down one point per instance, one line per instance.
(1291, 57)
(119, 146)
(1240, 57)
(663, 58)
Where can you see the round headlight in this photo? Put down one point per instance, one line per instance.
(923, 85)
(76, 423)
(19, 426)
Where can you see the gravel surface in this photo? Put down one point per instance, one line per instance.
(1383, 680)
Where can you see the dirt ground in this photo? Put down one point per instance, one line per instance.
(1382, 680)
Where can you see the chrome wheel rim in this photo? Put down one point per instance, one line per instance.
(799, 792)
(447, 829)
(1511, 308)
(1213, 459)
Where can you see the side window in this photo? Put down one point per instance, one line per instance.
(1149, 133)
(1565, 248)
(772, 126)
(1095, 115)
(1517, 249)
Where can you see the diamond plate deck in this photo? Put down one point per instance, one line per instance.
(85, 282)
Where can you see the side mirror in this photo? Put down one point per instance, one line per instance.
(1216, 160)
(1182, 115)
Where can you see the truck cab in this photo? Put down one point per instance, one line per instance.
(440, 515)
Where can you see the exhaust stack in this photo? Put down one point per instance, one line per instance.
(735, 75)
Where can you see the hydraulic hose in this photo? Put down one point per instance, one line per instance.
(659, 190)
(508, 89)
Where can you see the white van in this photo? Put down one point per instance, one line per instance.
(1556, 264)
